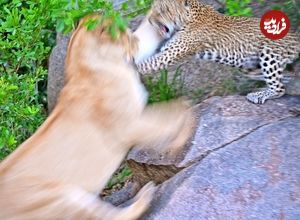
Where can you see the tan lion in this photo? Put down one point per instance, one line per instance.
(59, 171)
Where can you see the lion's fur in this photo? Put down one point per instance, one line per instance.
(59, 171)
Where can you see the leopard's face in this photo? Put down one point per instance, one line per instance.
(168, 16)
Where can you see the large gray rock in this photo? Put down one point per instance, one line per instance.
(220, 122)
(243, 162)
(254, 177)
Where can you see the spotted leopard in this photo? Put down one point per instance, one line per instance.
(197, 29)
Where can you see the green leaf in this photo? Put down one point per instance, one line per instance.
(60, 26)
(91, 24)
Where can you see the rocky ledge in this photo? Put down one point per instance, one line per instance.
(243, 162)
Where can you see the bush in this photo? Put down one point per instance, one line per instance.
(26, 36)
(20, 109)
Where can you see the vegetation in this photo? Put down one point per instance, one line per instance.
(162, 88)
(21, 111)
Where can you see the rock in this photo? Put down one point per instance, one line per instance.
(216, 4)
(225, 120)
(293, 87)
(125, 194)
(242, 163)
(254, 177)
(220, 122)
(56, 69)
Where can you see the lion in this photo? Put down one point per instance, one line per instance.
(101, 113)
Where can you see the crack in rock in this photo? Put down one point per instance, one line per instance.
(197, 160)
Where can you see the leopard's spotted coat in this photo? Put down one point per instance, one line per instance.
(237, 41)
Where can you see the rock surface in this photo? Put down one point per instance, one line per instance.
(220, 121)
(56, 69)
(256, 177)
(242, 163)
(123, 195)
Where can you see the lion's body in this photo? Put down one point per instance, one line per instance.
(59, 171)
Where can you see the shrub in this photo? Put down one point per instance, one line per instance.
(26, 37)
(20, 109)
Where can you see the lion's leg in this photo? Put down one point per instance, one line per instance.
(71, 202)
(166, 125)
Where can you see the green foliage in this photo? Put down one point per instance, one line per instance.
(27, 27)
(133, 8)
(25, 38)
(66, 13)
(242, 8)
(238, 7)
(161, 89)
(25, 42)
(20, 109)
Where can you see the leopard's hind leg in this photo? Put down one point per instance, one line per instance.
(272, 67)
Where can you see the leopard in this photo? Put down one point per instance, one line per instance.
(191, 28)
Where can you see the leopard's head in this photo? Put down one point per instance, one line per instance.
(168, 16)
